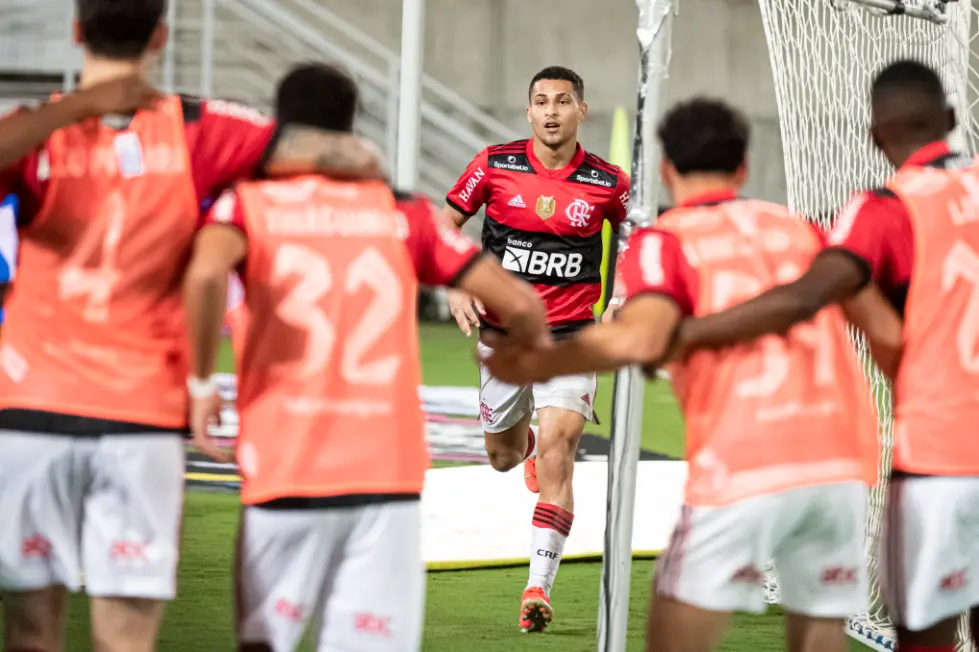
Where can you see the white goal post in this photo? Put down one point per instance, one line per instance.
(824, 54)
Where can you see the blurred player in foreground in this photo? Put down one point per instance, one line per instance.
(781, 436)
(332, 445)
(93, 362)
(918, 238)
(546, 200)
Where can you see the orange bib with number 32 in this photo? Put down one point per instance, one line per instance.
(936, 397)
(94, 325)
(328, 364)
(780, 412)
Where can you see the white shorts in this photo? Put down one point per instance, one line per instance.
(502, 406)
(107, 507)
(815, 535)
(354, 573)
(929, 549)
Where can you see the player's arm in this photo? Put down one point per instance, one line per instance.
(656, 278)
(444, 256)
(25, 130)
(873, 314)
(219, 249)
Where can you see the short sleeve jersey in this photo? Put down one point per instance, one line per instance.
(227, 142)
(874, 227)
(546, 225)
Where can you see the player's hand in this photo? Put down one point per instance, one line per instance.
(205, 412)
(120, 96)
(609, 314)
(465, 308)
(511, 362)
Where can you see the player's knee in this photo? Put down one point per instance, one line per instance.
(503, 458)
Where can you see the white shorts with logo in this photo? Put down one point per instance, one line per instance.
(502, 406)
(815, 535)
(355, 574)
(107, 508)
(929, 549)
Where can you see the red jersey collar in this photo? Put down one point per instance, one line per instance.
(712, 197)
(576, 160)
(928, 153)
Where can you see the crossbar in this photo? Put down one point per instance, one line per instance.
(935, 14)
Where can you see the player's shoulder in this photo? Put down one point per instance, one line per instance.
(196, 109)
(510, 157)
(597, 172)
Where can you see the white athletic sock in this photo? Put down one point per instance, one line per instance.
(551, 526)
(531, 444)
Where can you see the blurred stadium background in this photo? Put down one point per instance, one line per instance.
(479, 56)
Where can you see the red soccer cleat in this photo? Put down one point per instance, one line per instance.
(530, 475)
(535, 610)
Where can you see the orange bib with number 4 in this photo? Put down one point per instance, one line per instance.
(94, 325)
(780, 412)
(328, 365)
(936, 398)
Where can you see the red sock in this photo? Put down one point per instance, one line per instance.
(911, 647)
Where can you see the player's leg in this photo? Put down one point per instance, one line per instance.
(928, 554)
(820, 557)
(378, 599)
(40, 498)
(505, 412)
(131, 537)
(284, 568)
(712, 566)
(563, 405)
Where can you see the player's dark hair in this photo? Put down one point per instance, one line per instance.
(119, 29)
(908, 75)
(318, 95)
(704, 135)
(560, 73)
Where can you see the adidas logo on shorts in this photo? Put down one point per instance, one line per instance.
(517, 202)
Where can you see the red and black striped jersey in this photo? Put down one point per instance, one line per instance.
(546, 225)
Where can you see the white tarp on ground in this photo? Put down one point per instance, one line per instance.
(475, 516)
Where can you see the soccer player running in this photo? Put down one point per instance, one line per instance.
(917, 238)
(331, 445)
(93, 358)
(781, 436)
(546, 200)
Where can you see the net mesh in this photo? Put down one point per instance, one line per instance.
(824, 54)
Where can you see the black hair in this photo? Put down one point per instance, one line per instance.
(908, 75)
(119, 29)
(560, 73)
(318, 95)
(704, 135)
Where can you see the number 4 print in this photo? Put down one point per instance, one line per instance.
(303, 308)
(100, 242)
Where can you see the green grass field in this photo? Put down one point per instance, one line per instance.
(475, 611)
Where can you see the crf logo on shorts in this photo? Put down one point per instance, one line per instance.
(839, 575)
(486, 412)
(128, 552)
(953, 581)
(749, 575)
(36, 546)
(373, 625)
(289, 611)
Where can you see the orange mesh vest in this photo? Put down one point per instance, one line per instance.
(936, 401)
(779, 412)
(328, 365)
(94, 324)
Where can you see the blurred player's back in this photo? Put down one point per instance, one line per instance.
(782, 412)
(327, 265)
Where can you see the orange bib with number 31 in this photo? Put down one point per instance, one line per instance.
(936, 398)
(780, 412)
(94, 325)
(328, 364)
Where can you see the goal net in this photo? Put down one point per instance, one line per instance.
(824, 54)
